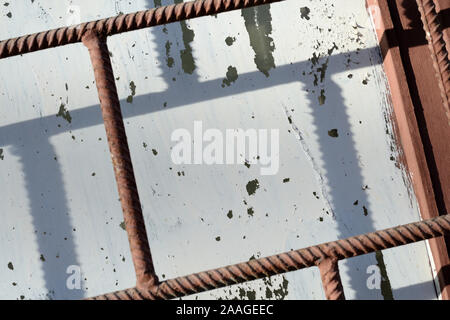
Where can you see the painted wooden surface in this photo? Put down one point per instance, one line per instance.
(310, 69)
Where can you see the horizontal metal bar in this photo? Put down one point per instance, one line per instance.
(122, 23)
(289, 261)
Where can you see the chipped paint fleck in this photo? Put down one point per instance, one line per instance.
(258, 23)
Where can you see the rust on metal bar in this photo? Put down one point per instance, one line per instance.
(437, 45)
(331, 280)
(289, 261)
(121, 159)
(122, 23)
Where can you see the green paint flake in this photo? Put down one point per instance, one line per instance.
(230, 40)
(386, 289)
(333, 133)
(64, 113)
(280, 292)
(154, 152)
(252, 186)
(187, 59)
(231, 76)
(42, 258)
(133, 92)
(322, 97)
(157, 3)
(122, 225)
(304, 13)
(258, 23)
(169, 60)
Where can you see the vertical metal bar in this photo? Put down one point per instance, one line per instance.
(438, 50)
(331, 280)
(121, 159)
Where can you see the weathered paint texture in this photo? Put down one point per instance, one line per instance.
(310, 69)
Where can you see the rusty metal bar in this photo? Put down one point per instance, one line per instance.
(122, 23)
(121, 159)
(437, 45)
(331, 280)
(289, 261)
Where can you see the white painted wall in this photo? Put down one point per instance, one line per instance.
(56, 213)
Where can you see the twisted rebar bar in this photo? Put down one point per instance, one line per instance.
(121, 159)
(122, 23)
(290, 261)
(331, 279)
(437, 45)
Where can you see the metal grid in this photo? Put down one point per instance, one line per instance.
(325, 256)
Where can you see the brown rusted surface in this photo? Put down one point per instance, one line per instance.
(439, 54)
(331, 280)
(443, 10)
(416, 96)
(290, 261)
(122, 23)
(121, 159)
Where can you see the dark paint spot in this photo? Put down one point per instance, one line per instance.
(169, 60)
(42, 258)
(231, 76)
(365, 211)
(154, 152)
(252, 186)
(250, 212)
(322, 97)
(217, 238)
(258, 23)
(9, 14)
(229, 40)
(286, 180)
(10, 266)
(64, 113)
(230, 214)
(333, 133)
(187, 59)
(386, 289)
(133, 92)
(1, 154)
(304, 13)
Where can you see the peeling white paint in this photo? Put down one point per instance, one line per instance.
(57, 189)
